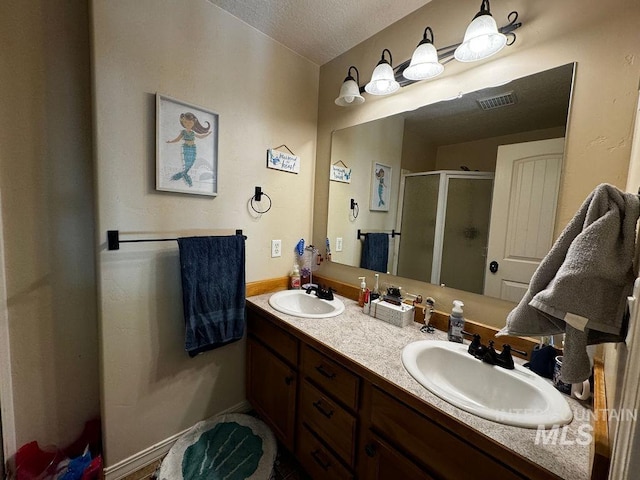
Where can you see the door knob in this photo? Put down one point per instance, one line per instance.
(493, 266)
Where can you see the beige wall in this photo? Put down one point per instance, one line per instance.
(266, 96)
(47, 220)
(482, 154)
(602, 38)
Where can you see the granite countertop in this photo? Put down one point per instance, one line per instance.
(377, 346)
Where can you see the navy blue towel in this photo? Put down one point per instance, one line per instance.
(375, 252)
(213, 291)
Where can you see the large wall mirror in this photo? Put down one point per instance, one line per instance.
(465, 190)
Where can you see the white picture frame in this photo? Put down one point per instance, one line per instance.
(186, 147)
(380, 187)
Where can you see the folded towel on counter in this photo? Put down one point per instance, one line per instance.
(375, 252)
(580, 287)
(213, 291)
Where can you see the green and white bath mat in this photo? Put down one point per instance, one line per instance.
(229, 447)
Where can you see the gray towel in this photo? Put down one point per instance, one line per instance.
(375, 252)
(213, 291)
(580, 287)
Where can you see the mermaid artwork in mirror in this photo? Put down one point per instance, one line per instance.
(475, 175)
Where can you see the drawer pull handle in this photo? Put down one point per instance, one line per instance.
(288, 380)
(325, 372)
(321, 409)
(321, 460)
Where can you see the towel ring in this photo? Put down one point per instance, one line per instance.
(257, 197)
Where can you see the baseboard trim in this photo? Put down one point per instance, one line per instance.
(157, 451)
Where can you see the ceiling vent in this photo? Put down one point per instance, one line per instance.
(502, 100)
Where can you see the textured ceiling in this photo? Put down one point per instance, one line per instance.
(319, 30)
(542, 102)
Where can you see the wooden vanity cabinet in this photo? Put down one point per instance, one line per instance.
(343, 421)
(384, 462)
(272, 377)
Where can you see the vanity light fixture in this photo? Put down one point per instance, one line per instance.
(383, 80)
(482, 38)
(424, 61)
(350, 90)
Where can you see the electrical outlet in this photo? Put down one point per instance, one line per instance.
(276, 248)
(338, 244)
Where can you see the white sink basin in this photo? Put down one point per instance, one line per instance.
(299, 303)
(516, 397)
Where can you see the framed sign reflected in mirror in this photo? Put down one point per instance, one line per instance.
(187, 147)
(380, 187)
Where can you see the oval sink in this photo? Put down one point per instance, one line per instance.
(516, 397)
(299, 303)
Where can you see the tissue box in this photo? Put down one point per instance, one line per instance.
(398, 315)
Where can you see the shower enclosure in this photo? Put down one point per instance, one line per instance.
(444, 222)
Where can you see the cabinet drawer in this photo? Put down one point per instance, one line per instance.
(440, 450)
(332, 377)
(281, 342)
(319, 462)
(335, 425)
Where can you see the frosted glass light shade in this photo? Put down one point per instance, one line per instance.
(349, 93)
(481, 40)
(382, 80)
(424, 63)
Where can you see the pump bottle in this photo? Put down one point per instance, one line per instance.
(363, 291)
(456, 322)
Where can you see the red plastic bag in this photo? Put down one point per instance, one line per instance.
(35, 463)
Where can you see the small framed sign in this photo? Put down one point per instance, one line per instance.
(287, 162)
(340, 173)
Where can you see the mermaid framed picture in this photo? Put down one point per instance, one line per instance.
(186, 147)
(380, 187)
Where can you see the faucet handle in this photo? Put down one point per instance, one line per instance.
(510, 348)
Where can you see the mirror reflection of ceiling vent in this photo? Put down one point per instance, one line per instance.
(497, 101)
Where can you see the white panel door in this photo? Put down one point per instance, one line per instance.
(523, 212)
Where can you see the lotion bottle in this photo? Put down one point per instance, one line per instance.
(456, 322)
(363, 290)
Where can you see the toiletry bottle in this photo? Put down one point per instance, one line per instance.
(294, 277)
(456, 322)
(367, 302)
(375, 293)
(363, 290)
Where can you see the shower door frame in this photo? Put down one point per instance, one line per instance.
(443, 192)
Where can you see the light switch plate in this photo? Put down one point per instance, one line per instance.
(276, 248)
(338, 244)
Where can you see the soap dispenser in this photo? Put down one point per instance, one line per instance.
(363, 291)
(456, 322)
(294, 277)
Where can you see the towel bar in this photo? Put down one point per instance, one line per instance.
(393, 233)
(113, 239)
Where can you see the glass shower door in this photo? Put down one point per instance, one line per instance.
(419, 212)
(466, 233)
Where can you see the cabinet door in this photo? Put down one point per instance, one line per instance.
(383, 462)
(271, 390)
